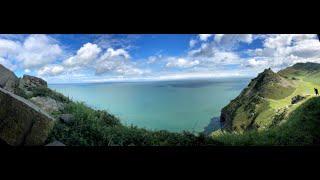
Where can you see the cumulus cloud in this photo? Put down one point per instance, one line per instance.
(192, 43)
(287, 49)
(85, 55)
(254, 63)
(232, 40)
(181, 63)
(9, 48)
(7, 64)
(204, 37)
(111, 53)
(38, 50)
(116, 61)
(50, 70)
(33, 52)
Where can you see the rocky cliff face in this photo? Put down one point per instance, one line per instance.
(21, 122)
(8, 80)
(240, 114)
(28, 82)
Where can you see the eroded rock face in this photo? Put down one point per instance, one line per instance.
(8, 80)
(29, 82)
(47, 104)
(21, 122)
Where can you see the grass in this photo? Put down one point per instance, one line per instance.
(99, 128)
(301, 128)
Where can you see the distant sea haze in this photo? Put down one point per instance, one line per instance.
(161, 105)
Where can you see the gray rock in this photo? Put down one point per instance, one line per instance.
(22, 122)
(8, 80)
(56, 143)
(29, 82)
(47, 104)
(66, 118)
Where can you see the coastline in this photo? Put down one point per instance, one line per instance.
(214, 125)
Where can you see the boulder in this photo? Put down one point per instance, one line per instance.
(8, 80)
(22, 122)
(47, 104)
(66, 118)
(29, 82)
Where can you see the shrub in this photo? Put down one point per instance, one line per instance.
(99, 128)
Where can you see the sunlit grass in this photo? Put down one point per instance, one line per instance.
(301, 128)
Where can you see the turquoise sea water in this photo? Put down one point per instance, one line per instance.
(170, 105)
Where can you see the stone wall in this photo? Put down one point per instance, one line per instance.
(21, 122)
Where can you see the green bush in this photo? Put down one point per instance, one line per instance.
(99, 128)
(46, 92)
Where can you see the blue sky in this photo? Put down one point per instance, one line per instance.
(73, 58)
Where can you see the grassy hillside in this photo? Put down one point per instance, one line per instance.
(254, 108)
(302, 127)
(276, 120)
(99, 128)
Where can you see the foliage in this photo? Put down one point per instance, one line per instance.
(301, 128)
(99, 128)
(46, 92)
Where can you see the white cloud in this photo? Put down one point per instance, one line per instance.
(227, 41)
(85, 55)
(116, 61)
(152, 59)
(9, 47)
(192, 43)
(218, 37)
(51, 70)
(38, 50)
(285, 50)
(7, 64)
(181, 63)
(27, 70)
(111, 53)
(254, 63)
(204, 37)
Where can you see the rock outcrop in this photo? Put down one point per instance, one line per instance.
(28, 82)
(21, 122)
(47, 104)
(8, 80)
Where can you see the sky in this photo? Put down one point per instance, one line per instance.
(85, 58)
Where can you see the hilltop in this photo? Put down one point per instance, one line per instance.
(250, 109)
(273, 104)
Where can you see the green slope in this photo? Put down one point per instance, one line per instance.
(302, 127)
(274, 112)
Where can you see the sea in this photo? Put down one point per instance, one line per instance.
(176, 106)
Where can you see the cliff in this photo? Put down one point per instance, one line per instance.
(268, 97)
(21, 121)
(8, 80)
